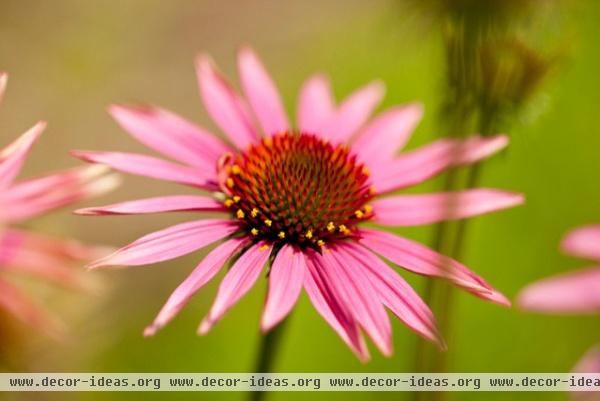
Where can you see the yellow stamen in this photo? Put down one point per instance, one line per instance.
(342, 228)
(264, 247)
(365, 171)
(229, 182)
(268, 222)
(254, 231)
(228, 202)
(240, 214)
(236, 199)
(308, 234)
(320, 243)
(281, 235)
(359, 214)
(330, 227)
(372, 190)
(235, 169)
(254, 212)
(368, 208)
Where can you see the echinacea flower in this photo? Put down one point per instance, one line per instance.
(30, 253)
(571, 293)
(299, 197)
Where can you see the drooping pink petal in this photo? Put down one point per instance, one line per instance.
(202, 274)
(176, 203)
(171, 135)
(238, 281)
(352, 287)
(147, 166)
(416, 166)
(583, 242)
(285, 283)
(27, 253)
(414, 210)
(335, 313)
(169, 243)
(353, 113)
(262, 93)
(419, 259)
(13, 156)
(589, 363)
(17, 304)
(316, 105)
(387, 133)
(33, 197)
(573, 292)
(3, 82)
(396, 293)
(225, 106)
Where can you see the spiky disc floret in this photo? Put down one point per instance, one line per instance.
(296, 188)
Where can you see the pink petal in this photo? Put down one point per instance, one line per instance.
(387, 133)
(353, 113)
(202, 274)
(23, 252)
(17, 304)
(414, 210)
(352, 287)
(169, 243)
(573, 292)
(225, 107)
(238, 281)
(285, 283)
(414, 167)
(589, 363)
(171, 135)
(3, 82)
(262, 94)
(419, 259)
(147, 166)
(335, 313)
(316, 105)
(583, 242)
(396, 293)
(177, 203)
(30, 198)
(13, 156)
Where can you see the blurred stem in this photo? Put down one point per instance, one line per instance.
(268, 349)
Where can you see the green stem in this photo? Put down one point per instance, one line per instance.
(269, 346)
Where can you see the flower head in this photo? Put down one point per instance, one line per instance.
(298, 196)
(26, 252)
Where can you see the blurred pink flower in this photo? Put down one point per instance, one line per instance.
(574, 292)
(25, 252)
(298, 197)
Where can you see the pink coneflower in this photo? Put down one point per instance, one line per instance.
(575, 292)
(25, 252)
(298, 197)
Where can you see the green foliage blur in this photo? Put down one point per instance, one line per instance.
(68, 59)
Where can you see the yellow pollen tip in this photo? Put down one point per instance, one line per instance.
(330, 227)
(365, 171)
(359, 214)
(228, 202)
(236, 199)
(281, 235)
(368, 208)
(235, 169)
(342, 228)
(268, 222)
(372, 190)
(229, 182)
(308, 234)
(320, 243)
(254, 212)
(254, 231)
(263, 248)
(240, 214)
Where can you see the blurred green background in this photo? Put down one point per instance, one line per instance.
(68, 59)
